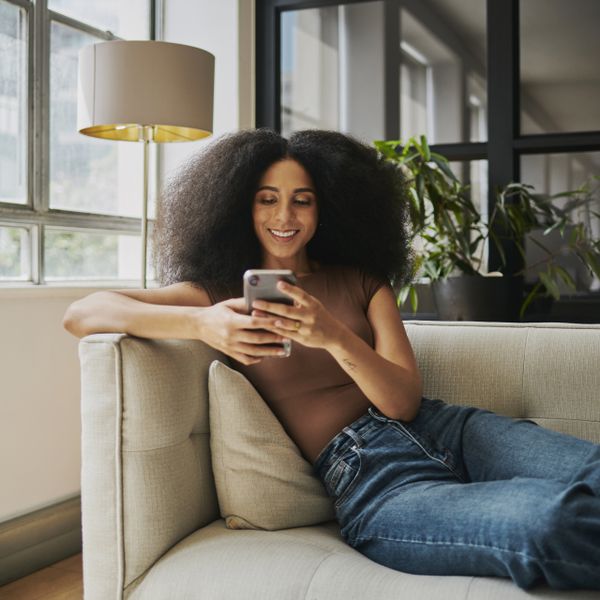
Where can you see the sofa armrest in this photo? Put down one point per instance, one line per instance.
(146, 477)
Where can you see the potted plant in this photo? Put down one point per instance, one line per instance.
(448, 234)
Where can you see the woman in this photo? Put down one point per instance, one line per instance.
(418, 485)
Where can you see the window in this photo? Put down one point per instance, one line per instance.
(449, 70)
(415, 95)
(343, 67)
(70, 205)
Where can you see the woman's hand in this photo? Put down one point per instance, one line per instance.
(226, 327)
(308, 322)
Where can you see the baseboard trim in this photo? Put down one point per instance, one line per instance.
(38, 539)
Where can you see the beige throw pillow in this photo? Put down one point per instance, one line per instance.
(262, 479)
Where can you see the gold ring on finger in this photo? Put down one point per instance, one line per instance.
(297, 325)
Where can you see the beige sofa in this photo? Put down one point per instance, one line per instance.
(151, 524)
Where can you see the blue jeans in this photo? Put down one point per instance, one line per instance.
(464, 491)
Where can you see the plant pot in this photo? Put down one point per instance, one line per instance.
(475, 298)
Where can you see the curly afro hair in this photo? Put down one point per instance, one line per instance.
(204, 230)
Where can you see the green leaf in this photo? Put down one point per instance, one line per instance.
(565, 276)
(560, 223)
(403, 295)
(529, 298)
(593, 262)
(425, 146)
(550, 285)
(414, 300)
(443, 164)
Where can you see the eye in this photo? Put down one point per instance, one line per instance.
(303, 201)
(267, 200)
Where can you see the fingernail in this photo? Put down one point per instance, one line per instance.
(279, 323)
(282, 285)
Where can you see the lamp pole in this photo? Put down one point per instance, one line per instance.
(146, 136)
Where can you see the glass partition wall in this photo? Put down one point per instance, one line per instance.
(508, 91)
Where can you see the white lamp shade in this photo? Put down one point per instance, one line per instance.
(125, 86)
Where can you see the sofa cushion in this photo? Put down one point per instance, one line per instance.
(261, 477)
(305, 563)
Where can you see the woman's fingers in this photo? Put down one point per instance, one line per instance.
(260, 349)
(301, 297)
(273, 308)
(291, 325)
(252, 336)
(236, 304)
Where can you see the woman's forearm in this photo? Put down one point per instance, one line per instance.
(107, 312)
(394, 390)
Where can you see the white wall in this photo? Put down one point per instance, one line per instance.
(39, 367)
(213, 26)
(39, 401)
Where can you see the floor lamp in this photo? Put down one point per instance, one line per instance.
(145, 91)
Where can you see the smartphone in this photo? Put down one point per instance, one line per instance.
(261, 284)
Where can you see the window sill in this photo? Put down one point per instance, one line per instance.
(64, 290)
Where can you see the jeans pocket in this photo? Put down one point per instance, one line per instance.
(343, 475)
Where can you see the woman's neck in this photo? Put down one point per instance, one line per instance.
(300, 266)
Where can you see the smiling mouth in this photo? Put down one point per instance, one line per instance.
(283, 235)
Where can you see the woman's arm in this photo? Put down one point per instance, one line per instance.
(155, 313)
(179, 311)
(388, 374)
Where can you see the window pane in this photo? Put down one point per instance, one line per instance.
(76, 255)
(560, 79)
(553, 174)
(310, 69)
(129, 19)
(474, 173)
(13, 104)
(332, 70)
(413, 98)
(15, 254)
(444, 72)
(86, 174)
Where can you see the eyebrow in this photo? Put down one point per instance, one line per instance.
(274, 189)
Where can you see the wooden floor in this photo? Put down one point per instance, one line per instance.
(61, 581)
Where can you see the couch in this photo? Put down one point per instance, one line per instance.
(150, 518)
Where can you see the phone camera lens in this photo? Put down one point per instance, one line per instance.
(254, 280)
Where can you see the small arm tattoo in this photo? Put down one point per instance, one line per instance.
(349, 364)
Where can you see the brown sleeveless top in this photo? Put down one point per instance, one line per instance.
(310, 394)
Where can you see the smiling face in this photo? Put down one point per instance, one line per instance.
(285, 215)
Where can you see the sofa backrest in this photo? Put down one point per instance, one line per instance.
(546, 372)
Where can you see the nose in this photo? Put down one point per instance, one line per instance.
(284, 212)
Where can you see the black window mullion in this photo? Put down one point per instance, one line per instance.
(464, 152)
(503, 121)
(267, 103)
(391, 80)
(584, 141)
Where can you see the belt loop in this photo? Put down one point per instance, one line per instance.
(353, 435)
(376, 414)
